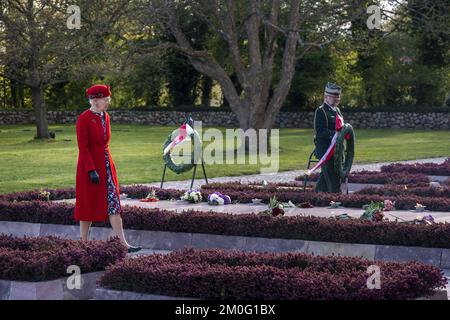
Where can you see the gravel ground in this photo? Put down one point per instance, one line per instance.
(285, 176)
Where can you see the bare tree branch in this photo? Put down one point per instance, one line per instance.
(287, 68)
(203, 61)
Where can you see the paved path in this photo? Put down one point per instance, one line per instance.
(243, 208)
(285, 176)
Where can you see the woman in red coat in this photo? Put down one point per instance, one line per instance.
(97, 188)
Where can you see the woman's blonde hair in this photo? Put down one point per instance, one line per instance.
(92, 101)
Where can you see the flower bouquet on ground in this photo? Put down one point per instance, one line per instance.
(306, 205)
(343, 216)
(373, 211)
(192, 196)
(389, 205)
(426, 220)
(419, 207)
(217, 198)
(151, 197)
(335, 205)
(44, 195)
(275, 207)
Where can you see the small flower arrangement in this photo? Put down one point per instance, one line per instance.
(275, 207)
(192, 196)
(123, 196)
(429, 219)
(334, 205)
(218, 198)
(373, 211)
(256, 201)
(343, 216)
(419, 207)
(44, 195)
(389, 205)
(306, 205)
(151, 197)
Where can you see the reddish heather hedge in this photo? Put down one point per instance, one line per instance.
(432, 169)
(377, 177)
(395, 190)
(47, 258)
(133, 191)
(232, 275)
(240, 187)
(251, 225)
(55, 194)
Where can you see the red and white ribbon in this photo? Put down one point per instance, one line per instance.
(330, 151)
(184, 133)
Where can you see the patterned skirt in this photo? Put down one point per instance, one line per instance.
(113, 201)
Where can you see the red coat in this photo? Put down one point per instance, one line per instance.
(91, 199)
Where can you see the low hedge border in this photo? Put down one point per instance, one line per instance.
(432, 169)
(232, 275)
(253, 225)
(47, 258)
(377, 177)
(395, 190)
(133, 191)
(244, 193)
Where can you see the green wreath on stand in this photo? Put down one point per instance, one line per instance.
(196, 145)
(344, 152)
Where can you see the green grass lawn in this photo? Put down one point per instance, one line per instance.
(27, 164)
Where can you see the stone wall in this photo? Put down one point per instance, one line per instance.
(227, 119)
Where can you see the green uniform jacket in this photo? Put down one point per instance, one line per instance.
(324, 128)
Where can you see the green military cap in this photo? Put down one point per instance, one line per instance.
(333, 88)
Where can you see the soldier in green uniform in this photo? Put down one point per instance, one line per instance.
(324, 129)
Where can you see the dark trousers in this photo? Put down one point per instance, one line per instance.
(328, 180)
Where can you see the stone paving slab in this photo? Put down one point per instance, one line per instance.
(147, 252)
(205, 241)
(430, 256)
(165, 240)
(109, 294)
(49, 290)
(20, 229)
(445, 259)
(439, 178)
(343, 249)
(447, 274)
(65, 231)
(275, 245)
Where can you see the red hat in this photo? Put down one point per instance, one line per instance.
(98, 91)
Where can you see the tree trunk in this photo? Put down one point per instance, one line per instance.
(207, 85)
(254, 118)
(40, 112)
(12, 86)
(21, 99)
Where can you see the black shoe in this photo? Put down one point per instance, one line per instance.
(134, 249)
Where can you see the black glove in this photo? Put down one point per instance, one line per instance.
(93, 175)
